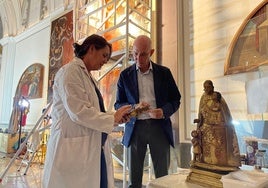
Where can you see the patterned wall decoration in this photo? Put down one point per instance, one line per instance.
(61, 50)
(43, 9)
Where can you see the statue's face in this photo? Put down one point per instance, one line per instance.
(214, 96)
(208, 88)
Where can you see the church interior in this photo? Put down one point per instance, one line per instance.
(224, 41)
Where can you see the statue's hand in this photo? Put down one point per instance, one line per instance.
(196, 120)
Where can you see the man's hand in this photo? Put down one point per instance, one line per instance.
(156, 113)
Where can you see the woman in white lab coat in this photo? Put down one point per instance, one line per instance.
(75, 149)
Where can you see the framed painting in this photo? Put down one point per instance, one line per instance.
(31, 82)
(30, 86)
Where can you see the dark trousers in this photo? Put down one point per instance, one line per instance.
(147, 132)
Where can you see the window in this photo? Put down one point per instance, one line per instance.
(249, 48)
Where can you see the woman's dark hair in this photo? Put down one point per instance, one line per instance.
(97, 41)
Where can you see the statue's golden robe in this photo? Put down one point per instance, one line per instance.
(218, 139)
(219, 153)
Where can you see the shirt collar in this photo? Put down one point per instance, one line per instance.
(150, 68)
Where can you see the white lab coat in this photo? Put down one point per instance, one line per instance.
(74, 146)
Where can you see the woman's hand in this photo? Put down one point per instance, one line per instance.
(139, 108)
(122, 114)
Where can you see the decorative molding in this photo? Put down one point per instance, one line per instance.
(34, 29)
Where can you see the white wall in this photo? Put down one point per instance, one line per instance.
(212, 26)
(196, 37)
(6, 78)
(32, 46)
(31, 49)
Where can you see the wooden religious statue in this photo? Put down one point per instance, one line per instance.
(215, 145)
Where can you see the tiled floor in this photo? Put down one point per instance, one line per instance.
(33, 178)
(15, 179)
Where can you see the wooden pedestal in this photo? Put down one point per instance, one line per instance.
(205, 178)
(208, 175)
